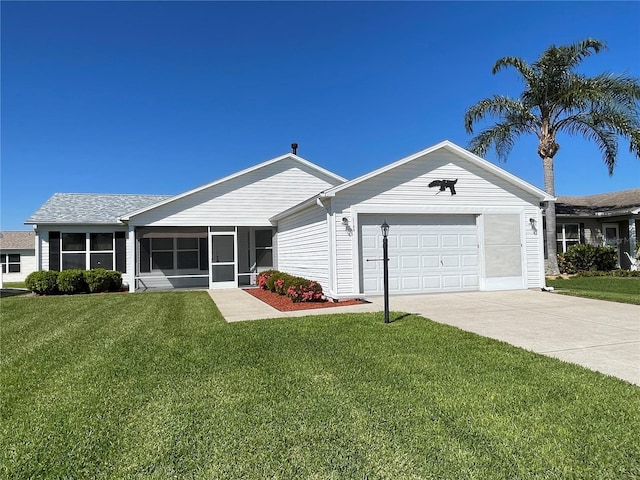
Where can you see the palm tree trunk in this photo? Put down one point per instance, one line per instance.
(550, 216)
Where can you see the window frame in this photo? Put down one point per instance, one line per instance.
(561, 236)
(8, 263)
(88, 251)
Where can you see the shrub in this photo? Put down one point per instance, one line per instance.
(42, 282)
(98, 280)
(583, 257)
(263, 278)
(303, 290)
(115, 278)
(71, 282)
(297, 288)
(277, 282)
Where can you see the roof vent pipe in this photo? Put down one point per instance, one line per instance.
(294, 148)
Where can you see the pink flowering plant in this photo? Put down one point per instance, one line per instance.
(298, 289)
(305, 291)
(263, 279)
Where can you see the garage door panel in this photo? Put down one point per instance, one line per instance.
(410, 261)
(450, 261)
(450, 241)
(470, 281)
(430, 261)
(427, 253)
(429, 241)
(469, 260)
(467, 240)
(369, 241)
(409, 241)
(410, 284)
(431, 283)
(451, 281)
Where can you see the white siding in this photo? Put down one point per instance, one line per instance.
(27, 265)
(405, 190)
(248, 200)
(303, 245)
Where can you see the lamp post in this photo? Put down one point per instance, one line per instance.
(385, 268)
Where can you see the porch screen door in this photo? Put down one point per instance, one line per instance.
(223, 272)
(611, 237)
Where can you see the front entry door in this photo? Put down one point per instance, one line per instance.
(223, 271)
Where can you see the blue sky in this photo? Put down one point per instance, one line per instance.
(162, 97)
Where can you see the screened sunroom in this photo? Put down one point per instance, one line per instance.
(202, 257)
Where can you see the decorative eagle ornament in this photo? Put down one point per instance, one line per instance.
(444, 184)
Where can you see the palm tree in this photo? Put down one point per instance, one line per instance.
(558, 99)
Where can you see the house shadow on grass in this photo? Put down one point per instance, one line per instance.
(12, 292)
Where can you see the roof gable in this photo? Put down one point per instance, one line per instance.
(326, 175)
(458, 151)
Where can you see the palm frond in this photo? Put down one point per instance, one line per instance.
(501, 137)
(497, 106)
(594, 129)
(523, 68)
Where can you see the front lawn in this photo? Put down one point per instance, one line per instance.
(615, 289)
(157, 385)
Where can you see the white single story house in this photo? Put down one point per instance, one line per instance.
(17, 255)
(457, 223)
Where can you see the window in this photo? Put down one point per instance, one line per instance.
(162, 254)
(85, 251)
(264, 248)
(10, 263)
(171, 253)
(101, 253)
(74, 247)
(187, 256)
(567, 234)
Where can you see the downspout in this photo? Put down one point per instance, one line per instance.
(38, 249)
(331, 277)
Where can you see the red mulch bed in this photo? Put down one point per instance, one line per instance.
(285, 304)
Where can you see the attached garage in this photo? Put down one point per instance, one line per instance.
(427, 253)
(457, 223)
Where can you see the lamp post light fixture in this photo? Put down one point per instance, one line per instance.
(385, 268)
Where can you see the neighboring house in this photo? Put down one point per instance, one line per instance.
(18, 255)
(457, 223)
(607, 219)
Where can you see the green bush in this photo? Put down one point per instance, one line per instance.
(277, 282)
(71, 282)
(42, 282)
(98, 280)
(584, 258)
(115, 280)
(263, 278)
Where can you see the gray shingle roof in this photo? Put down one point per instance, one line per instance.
(103, 208)
(605, 202)
(17, 240)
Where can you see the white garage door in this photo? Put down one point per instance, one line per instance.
(427, 253)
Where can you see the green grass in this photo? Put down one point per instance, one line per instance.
(157, 385)
(13, 285)
(615, 289)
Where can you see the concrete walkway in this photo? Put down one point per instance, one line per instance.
(602, 336)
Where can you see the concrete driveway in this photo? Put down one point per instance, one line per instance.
(602, 336)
